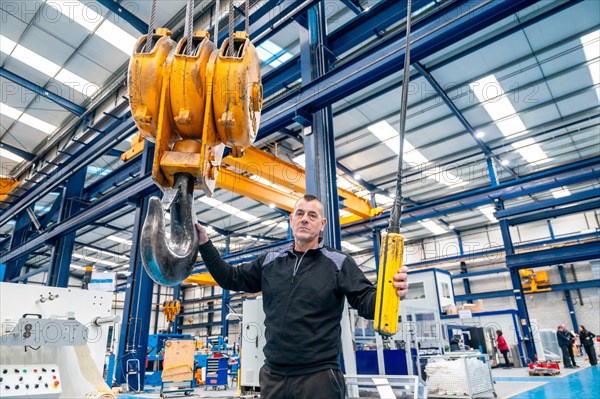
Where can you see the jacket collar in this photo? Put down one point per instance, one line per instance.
(290, 246)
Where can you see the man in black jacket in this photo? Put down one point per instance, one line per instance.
(566, 346)
(303, 288)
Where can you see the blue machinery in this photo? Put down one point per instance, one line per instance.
(309, 105)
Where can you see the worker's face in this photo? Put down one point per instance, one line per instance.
(307, 221)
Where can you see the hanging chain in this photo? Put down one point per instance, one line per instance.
(189, 26)
(217, 19)
(148, 44)
(231, 21)
(247, 16)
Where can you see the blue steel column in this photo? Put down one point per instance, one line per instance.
(527, 335)
(62, 252)
(133, 341)
(22, 225)
(157, 310)
(319, 144)
(568, 298)
(176, 297)
(225, 296)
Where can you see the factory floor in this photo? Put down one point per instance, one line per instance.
(581, 383)
(516, 383)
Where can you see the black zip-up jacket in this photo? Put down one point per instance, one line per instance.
(303, 302)
(564, 338)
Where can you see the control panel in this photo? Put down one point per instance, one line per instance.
(30, 381)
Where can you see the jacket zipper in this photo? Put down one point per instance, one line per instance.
(296, 266)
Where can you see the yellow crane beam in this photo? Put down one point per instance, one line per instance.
(201, 279)
(287, 175)
(7, 185)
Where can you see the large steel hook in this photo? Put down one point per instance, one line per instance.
(169, 261)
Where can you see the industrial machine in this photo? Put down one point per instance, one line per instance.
(53, 344)
(253, 341)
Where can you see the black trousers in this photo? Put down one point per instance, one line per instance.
(591, 352)
(325, 384)
(572, 355)
(565, 355)
(506, 361)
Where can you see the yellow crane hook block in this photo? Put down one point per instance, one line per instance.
(190, 88)
(238, 94)
(145, 80)
(387, 303)
(187, 85)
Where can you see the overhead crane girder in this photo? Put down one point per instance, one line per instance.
(292, 177)
(7, 185)
(288, 176)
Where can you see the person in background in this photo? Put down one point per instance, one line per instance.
(571, 338)
(503, 348)
(587, 340)
(565, 343)
(303, 289)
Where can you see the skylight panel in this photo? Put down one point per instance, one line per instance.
(77, 82)
(489, 211)
(272, 53)
(94, 260)
(263, 54)
(350, 247)
(530, 150)
(281, 225)
(300, 160)
(27, 119)
(591, 49)
(228, 209)
(490, 93)
(9, 155)
(96, 171)
(271, 47)
(387, 134)
(383, 200)
(285, 57)
(37, 123)
(344, 183)
(119, 240)
(9, 111)
(432, 226)
(34, 60)
(47, 67)
(77, 12)
(560, 193)
(6, 45)
(116, 36)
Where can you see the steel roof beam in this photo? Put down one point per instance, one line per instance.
(17, 151)
(63, 102)
(554, 256)
(461, 118)
(350, 35)
(353, 5)
(115, 131)
(432, 34)
(105, 206)
(542, 208)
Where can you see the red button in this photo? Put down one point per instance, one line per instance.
(35, 370)
(56, 383)
(53, 377)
